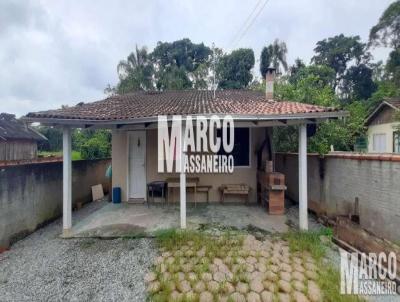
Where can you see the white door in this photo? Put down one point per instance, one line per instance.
(137, 164)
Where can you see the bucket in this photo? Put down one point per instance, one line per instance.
(116, 195)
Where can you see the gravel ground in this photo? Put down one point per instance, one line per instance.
(44, 267)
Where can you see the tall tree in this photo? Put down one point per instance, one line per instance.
(296, 67)
(378, 71)
(135, 73)
(234, 69)
(393, 66)
(182, 53)
(273, 55)
(358, 83)
(338, 52)
(387, 31)
(54, 138)
(311, 84)
(181, 64)
(323, 75)
(172, 78)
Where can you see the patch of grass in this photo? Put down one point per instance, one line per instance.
(329, 283)
(201, 268)
(169, 239)
(174, 239)
(49, 153)
(76, 155)
(309, 241)
(329, 276)
(86, 243)
(160, 296)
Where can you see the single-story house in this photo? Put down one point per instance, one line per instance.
(17, 140)
(133, 119)
(383, 135)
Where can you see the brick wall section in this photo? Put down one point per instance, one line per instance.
(31, 194)
(336, 181)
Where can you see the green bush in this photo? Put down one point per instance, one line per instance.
(95, 148)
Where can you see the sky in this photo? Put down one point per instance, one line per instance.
(55, 53)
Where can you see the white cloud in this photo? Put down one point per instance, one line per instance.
(64, 52)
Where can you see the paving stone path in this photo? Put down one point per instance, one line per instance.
(253, 270)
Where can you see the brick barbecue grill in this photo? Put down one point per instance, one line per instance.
(272, 191)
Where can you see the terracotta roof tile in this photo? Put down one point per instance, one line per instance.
(184, 102)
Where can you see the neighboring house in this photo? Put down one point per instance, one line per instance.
(383, 136)
(133, 120)
(17, 140)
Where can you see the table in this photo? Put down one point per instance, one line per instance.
(174, 182)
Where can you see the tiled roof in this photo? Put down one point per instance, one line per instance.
(11, 128)
(184, 102)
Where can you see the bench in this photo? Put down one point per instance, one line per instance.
(235, 189)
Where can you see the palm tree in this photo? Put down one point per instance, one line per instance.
(274, 55)
(136, 72)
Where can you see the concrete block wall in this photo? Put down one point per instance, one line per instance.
(336, 183)
(31, 194)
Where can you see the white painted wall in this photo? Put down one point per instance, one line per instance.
(246, 175)
(387, 129)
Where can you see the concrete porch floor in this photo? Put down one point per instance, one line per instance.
(122, 220)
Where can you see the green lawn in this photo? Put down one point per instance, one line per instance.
(76, 155)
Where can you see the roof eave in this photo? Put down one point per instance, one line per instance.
(242, 117)
(376, 110)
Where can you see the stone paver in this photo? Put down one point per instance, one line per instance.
(314, 293)
(206, 297)
(254, 271)
(267, 296)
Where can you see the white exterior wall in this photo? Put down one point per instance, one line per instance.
(387, 129)
(246, 175)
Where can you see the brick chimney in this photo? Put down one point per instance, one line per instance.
(269, 83)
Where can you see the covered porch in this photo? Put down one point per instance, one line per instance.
(133, 118)
(183, 207)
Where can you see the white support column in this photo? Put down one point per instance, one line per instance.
(183, 181)
(303, 195)
(67, 181)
